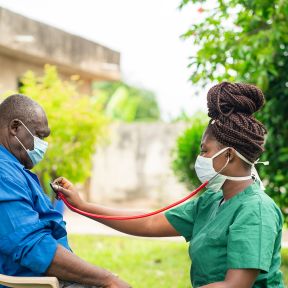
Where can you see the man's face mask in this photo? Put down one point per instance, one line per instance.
(205, 171)
(40, 147)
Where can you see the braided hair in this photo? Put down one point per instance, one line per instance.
(231, 107)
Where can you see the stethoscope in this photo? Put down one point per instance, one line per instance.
(107, 217)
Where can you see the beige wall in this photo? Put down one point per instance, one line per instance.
(51, 45)
(136, 166)
(12, 69)
(71, 54)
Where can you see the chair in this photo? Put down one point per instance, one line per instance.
(29, 282)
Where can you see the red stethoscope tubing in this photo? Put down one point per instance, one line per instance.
(108, 217)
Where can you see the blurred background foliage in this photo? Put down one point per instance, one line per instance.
(247, 41)
(126, 103)
(187, 149)
(76, 121)
(80, 122)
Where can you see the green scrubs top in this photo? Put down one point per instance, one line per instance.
(242, 233)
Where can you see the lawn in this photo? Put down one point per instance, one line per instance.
(141, 262)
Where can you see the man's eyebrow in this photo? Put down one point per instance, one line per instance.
(43, 133)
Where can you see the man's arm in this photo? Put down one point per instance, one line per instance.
(67, 266)
(28, 242)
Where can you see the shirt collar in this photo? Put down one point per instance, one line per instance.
(7, 155)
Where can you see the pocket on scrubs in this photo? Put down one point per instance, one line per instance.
(217, 243)
(217, 236)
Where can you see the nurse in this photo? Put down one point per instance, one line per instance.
(234, 228)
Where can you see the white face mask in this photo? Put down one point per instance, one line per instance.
(205, 172)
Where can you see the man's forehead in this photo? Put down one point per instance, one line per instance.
(40, 122)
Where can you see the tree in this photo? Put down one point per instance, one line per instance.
(76, 121)
(127, 103)
(247, 41)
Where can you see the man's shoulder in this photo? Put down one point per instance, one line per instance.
(11, 173)
(10, 169)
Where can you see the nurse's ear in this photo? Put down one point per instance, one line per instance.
(230, 154)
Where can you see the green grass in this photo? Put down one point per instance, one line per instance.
(284, 267)
(143, 263)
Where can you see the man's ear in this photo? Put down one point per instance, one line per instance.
(14, 126)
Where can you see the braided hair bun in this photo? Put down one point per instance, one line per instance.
(231, 107)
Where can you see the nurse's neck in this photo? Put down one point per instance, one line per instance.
(236, 168)
(231, 188)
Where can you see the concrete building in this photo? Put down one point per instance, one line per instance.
(26, 44)
(135, 168)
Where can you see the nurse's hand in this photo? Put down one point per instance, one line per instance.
(65, 187)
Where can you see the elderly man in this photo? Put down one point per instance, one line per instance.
(33, 238)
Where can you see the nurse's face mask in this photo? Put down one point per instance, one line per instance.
(40, 147)
(206, 172)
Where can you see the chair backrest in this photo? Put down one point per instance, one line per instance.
(29, 282)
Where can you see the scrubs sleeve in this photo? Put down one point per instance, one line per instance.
(252, 237)
(182, 218)
(23, 237)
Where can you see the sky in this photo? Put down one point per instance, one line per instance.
(145, 32)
